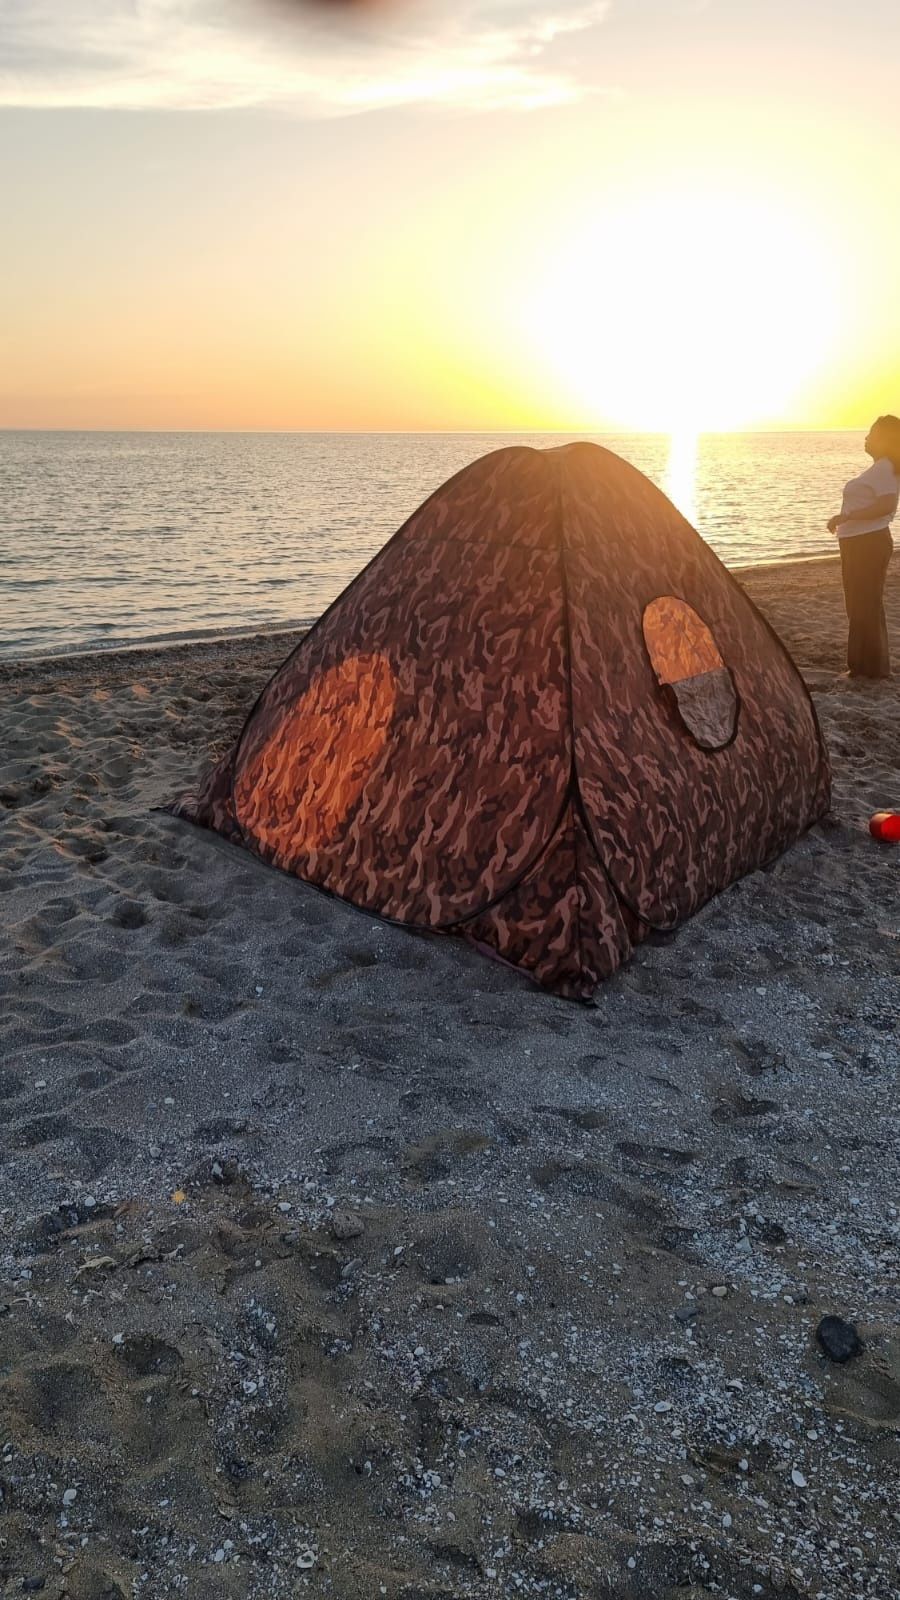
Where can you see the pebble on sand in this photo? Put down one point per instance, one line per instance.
(839, 1339)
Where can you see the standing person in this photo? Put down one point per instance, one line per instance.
(863, 528)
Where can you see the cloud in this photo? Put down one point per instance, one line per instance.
(223, 54)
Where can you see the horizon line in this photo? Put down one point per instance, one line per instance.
(649, 433)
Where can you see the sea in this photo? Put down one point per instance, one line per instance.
(116, 539)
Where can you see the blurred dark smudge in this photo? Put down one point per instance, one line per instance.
(305, 8)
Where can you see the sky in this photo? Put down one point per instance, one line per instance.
(669, 215)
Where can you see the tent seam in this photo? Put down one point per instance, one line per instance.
(578, 797)
(573, 786)
(516, 883)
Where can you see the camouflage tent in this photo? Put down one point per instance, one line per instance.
(544, 717)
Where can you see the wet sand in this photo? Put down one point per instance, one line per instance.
(336, 1260)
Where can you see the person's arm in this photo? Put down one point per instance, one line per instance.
(881, 505)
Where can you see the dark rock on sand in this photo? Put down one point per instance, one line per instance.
(839, 1339)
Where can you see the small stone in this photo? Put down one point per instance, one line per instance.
(662, 1406)
(306, 1559)
(346, 1225)
(89, 1202)
(839, 1339)
(33, 1585)
(69, 1497)
(169, 1100)
(720, 1291)
(686, 1313)
(39, 1083)
(726, 1520)
(219, 1555)
(797, 1478)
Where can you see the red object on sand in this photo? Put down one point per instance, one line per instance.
(885, 825)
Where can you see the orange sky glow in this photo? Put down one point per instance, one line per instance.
(660, 216)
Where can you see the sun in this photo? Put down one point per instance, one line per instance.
(686, 311)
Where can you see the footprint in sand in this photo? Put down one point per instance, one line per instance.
(449, 1250)
(61, 909)
(108, 1031)
(62, 1398)
(118, 770)
(84, 1581)
(867, 1391)
(756, 1057)
(442, 1153)
(170, 887)
(90, 1080)
(589, 1178)
(145, 1356)
(127, 914)
(40, 1130)
(92, 1150)
(97, 1148)
(660, 1157)
(311, 910)
(587, 1118)
(372, 1045)
(732, 1106)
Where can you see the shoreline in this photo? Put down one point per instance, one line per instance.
(751, 575)
(173, 641)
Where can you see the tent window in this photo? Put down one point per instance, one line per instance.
(686, 659)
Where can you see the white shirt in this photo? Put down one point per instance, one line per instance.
(878, 479)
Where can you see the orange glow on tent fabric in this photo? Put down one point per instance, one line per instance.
(679, 643)
(321, 753)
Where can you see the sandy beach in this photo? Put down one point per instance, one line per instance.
(337, 1260)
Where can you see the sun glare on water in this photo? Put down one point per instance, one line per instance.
(686, 312)
(681, 473)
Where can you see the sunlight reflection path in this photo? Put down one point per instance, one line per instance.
(681, 473)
